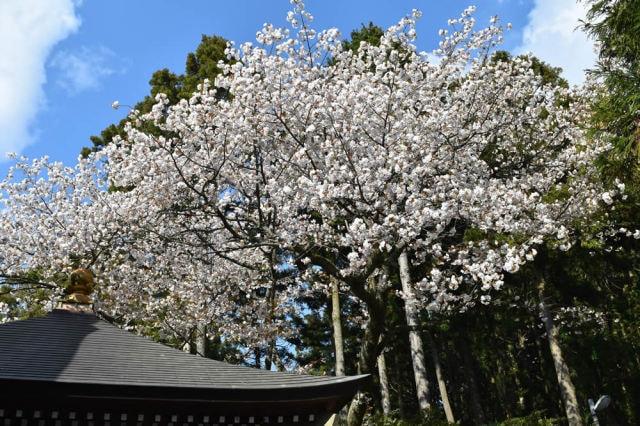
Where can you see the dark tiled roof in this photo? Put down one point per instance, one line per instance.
(66, 347)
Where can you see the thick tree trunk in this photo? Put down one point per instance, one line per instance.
(375, 300)
(366, 365)
(384, 385)
(415, 340)
(357, 409)
(336, 323)
(442, 385)
(337, 327)
(567, 389)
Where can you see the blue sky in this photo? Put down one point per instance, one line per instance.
(65, 61)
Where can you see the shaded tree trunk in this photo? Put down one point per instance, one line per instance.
(375, 299)
(442, 385)
(567, 389)
(257, 358)
(384, 385)
(271, 355)
(415, 340)
(337, 327)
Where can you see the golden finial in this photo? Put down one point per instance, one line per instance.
(80, 287)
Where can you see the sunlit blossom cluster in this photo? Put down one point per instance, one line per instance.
(573, 318)
(322, 159)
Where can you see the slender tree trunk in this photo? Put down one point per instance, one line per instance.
(384, 385)
(541, 355)
(201, 340)
(415, 340)
(271, 300)
(337, 327)
(442, 385)
(567, 389)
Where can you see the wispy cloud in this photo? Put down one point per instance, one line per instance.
(86, 68)
(552, 35)
(28, 31)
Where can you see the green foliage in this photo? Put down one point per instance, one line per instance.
(200, 65)
(537, 418)
(313, 339)
(549, 74)
(615, 25)
(394, 420)
(203, 64)
(370, 33)
(29, 295)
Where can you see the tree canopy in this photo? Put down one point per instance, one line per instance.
(466, 210)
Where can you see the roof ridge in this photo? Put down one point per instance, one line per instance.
(68, 346)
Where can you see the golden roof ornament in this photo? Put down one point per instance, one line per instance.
(79, 291)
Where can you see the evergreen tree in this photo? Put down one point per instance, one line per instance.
(200, 65)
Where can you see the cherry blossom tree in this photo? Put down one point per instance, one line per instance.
(305, 158)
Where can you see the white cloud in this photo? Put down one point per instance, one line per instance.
(85, 68)
(28, 31)
(432, 57)
(552, 35)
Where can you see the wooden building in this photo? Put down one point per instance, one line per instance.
(73, 368)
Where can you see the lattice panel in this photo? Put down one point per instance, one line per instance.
(53, 417)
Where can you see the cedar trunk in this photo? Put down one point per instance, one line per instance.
(384, 385)
(442, 385)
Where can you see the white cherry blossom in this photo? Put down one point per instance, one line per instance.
(326, 160)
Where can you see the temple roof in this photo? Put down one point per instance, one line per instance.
(80, 348)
